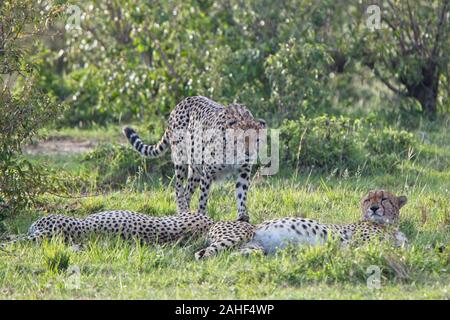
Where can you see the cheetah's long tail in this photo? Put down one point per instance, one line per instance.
(151, 151)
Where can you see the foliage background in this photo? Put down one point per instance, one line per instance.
(137, 59)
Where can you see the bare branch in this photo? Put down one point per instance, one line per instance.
(414, 25)
(400, 37)
(403, 24)
(440, 29)
(172, 71)
(1, 39)
(395, 13)
(388, 84)
(96, 36)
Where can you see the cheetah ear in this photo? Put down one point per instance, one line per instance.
(262, 121)
(402, 201)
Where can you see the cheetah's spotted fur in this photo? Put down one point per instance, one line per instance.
(200, 121)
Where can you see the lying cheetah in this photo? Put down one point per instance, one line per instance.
(199, 134)
(380, 212)
(125, 224)
(380, 216)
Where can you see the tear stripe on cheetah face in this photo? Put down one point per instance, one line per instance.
(382, 207)
(271, 235)
(126, 224)
(191, 117)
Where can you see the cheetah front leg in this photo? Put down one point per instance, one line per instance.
(193, 182)
(226, 235)
(249, 248)
(242, 185)
(205, 185)
(215, 247)
(180, 176)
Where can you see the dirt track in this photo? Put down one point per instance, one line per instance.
(59, 146)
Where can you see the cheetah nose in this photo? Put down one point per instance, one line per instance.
(374, 208)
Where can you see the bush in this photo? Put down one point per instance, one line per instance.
(387, 147)
(323, 142)
(389, 140)
(136, 60)
(298, 74)
(116, 164)
(24, 107)
(329, 143)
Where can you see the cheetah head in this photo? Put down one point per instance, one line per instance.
(237, 116)
(241, 121)
(382, 207)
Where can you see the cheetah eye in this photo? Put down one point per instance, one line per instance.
(231, 122)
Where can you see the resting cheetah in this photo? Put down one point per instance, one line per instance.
(380, 215)
(126, 224)
(380, 211)
(198, 132)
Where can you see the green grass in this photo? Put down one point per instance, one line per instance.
(120, 270)
(100, 134)
(116, 269)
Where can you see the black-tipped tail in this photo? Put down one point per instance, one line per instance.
(130, 134)
(151, 151)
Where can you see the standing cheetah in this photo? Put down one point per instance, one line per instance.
(199, 135)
